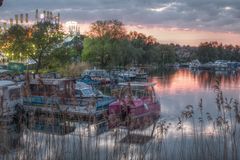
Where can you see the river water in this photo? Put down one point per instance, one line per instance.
(176, 90)
(186, 87)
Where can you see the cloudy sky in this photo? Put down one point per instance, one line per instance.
(177, 21)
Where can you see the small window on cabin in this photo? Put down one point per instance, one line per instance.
(14, 94)
(36, 88)
(87, 92)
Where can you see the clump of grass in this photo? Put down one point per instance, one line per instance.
(74, 69)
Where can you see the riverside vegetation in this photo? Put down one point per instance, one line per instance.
(107, 44)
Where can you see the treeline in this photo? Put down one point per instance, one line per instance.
(211, 51)
(108, 44)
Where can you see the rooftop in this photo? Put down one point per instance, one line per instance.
(6, 83)
(138, 84)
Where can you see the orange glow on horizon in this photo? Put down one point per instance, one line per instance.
(180, 36)
(188, 36)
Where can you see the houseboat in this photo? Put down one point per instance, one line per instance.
(10, 98)
(137, 106)
(49, 91)
(84, 90)
(61, 96)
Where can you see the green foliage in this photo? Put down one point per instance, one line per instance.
(109, 45)
(37, 42)
(60, 57)
(16, 43)
(163, 54)
(97, 51)
(112, 29)
(211, 51)
(46, 38)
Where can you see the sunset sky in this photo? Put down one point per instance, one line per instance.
(170, 21)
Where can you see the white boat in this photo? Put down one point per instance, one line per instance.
(84, 90)
(127, 75)
(140, 73)
(133, 73)
(195, 64)
(220, 65)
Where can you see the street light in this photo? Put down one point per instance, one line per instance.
(41, 16)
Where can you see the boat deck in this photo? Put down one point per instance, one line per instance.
(68, 112)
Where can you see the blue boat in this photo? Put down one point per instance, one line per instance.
(64, 95)
(88, 80)
(85, 91)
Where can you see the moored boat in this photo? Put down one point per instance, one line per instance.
(60, 96)
(137, 106)
(96, 76)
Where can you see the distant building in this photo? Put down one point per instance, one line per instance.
(72, 27)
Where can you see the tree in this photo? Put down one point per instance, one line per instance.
(36, 42)
(16, 43)
(112, 29)
(60, 57)
(207, 52)
(144, 44)
(163, 54)
(46, 37)
(97, 51)
(99, 47)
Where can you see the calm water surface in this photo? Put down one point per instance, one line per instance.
(185, 87)
(176, 90)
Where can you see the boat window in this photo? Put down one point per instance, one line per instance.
(14, 94)
(87, 92)
(37, 89)
(141, 92)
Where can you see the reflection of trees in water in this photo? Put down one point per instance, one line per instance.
(205, 79)
(166, 76)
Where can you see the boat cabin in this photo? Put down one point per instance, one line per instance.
(50, 91)
(137, 106)
(10, 97)
(99, 75)
(84, 91)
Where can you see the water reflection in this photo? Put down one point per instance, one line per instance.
(185, 79)
(49, 138)
(10, 137)
(50, 125)
(184, 87)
